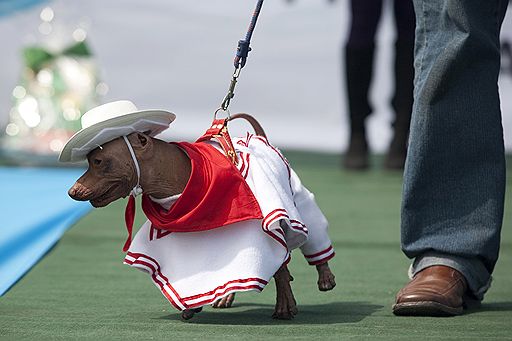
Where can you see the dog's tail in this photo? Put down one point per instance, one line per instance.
(254, 123)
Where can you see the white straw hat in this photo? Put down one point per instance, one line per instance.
(110, 121)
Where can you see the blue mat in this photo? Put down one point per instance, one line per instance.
(35, 211)
(8, 7)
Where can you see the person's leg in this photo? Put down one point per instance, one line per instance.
(454, 180)
(359, 52)
(506, 51)
(405, 24)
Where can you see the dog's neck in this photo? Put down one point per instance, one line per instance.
(167, 172)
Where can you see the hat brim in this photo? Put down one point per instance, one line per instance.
(150, 122)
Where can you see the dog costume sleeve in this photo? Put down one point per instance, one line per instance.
(318, 248)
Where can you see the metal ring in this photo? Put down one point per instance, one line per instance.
(228, 115)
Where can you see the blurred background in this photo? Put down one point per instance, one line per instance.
(59, 58)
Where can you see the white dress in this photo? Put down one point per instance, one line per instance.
(197, 268)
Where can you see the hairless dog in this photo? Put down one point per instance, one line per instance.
(164, 172)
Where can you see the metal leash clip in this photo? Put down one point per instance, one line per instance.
(231, 91)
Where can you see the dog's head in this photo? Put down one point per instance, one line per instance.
(111, 174)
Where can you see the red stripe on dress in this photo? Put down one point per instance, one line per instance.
(157, 281)
(261, 138)
(151, 231)
(279, 240)
(162, 233)
(323, 260)
(288, 259)
(248, 138)
(273, 216)
(248, 162)
(274, 219)
(158, 270)
(278, 214)
(296, 226)
(280, 231)
(242, 163)
(299, 228)
(239, 281)
(229, 290)
(243, 166)
(271, 233)
(319, 253)
(297, 222)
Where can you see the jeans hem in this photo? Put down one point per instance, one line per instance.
(471, 269)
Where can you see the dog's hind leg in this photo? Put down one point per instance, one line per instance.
(187, 314)
(286, 306)
(225, 302)
(326, 280)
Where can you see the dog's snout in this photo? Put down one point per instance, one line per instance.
(79, 192)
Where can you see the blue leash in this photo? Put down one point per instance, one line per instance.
(243, 45)
(242, 52)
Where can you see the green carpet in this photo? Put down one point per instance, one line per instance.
(81, 290)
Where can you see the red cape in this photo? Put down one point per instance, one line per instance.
(216, 195)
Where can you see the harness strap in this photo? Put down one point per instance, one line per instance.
(219, 131)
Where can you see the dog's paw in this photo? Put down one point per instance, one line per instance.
(225, 302)
(285, 309)
(326, 279)
(187, 314)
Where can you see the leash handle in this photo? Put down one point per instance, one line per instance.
(243, 45)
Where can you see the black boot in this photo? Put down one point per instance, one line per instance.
(358, 68)
(402, 104)
(356, 156)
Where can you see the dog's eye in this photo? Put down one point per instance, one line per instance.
(97, 162)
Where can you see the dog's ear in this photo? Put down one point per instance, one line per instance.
(142, 144)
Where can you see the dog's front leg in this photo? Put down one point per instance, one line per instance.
(286, 306)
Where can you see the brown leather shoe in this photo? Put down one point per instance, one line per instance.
(435, 291)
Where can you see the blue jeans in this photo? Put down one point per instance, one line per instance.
(454, 178)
